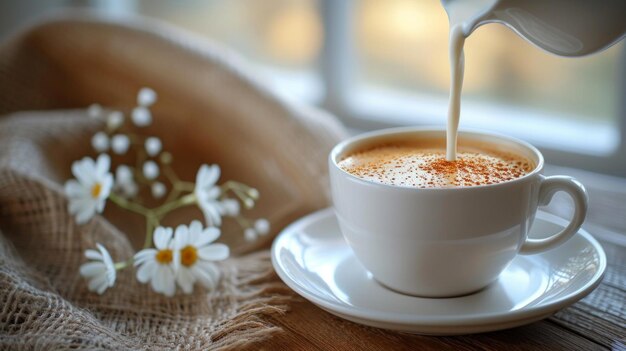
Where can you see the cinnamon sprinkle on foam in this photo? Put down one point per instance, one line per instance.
(411, 166)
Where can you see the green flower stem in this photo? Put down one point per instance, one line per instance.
(172, 194)
(124, 264)
(170, 174)
(129, 205)
(151, 222)
(246, 194)
(243, 222)
(136, 139)
(141, 158)
(177, 184)
(188, 199)
(187, 186)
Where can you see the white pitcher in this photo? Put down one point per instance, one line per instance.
(562, 27)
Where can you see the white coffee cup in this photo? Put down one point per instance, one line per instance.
(442, 242)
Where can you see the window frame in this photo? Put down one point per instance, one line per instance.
(584, 149)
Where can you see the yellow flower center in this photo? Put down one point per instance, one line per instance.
(188, 255)
(95, 190)
(164, 256)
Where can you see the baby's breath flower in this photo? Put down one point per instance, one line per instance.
(141, 116)
(100, 271)
(150, 170)
(253, 193)
(94, 111)
(120, 144)
(115, 120)
(100, 142)
(153, 146)
(88, 194)
(146, 97)
(158, 190)
(250, 234)
(262, 226)
(125, 182)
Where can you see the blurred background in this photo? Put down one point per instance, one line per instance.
(377, 63)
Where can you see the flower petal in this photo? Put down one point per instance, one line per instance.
(100, 203)
(143, 256)
(207, 273)
(162, 237)
(76, 205)
(146, 271)
(204, 277)
(106, 186)
(167, 282)
(102, 287)
(102, 165)
(185, 280)
(211, 214)
(85, 213)
(96, 283)
(201, 175)
(195, 227)
(213, 193)
(84, 170)
(207, 176)
(208, 235)
(92, 269)
(181, 237)
(155, 281)
(93, 255)
(74, 189)
(215, 252)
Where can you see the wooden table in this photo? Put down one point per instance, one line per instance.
(597, 322)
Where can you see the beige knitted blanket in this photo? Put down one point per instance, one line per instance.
(210, 110)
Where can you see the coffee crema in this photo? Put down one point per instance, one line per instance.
(417, 165)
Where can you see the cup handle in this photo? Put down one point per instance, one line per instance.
(549, 186)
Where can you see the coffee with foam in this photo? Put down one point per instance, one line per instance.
(424, 165)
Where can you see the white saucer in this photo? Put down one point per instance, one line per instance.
(312, 258)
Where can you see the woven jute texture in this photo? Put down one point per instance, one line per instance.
(210, 110)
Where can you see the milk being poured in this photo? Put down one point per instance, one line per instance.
(562, 27)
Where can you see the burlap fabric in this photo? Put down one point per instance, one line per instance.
(210, 110)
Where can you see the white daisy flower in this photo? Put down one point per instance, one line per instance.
(88, 194)
(125, 182)
(195, 256)
(100, 142)
(207, 194)
(115, 120)
(120, 143)
(100, 271)
(156, 265)
(146, 97)
(94, 111)
(150, 170)
(141, 116)
(153, 146)
(229, 207)
(158, 190)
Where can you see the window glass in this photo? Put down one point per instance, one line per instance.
(402, 44)
(281, 33)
